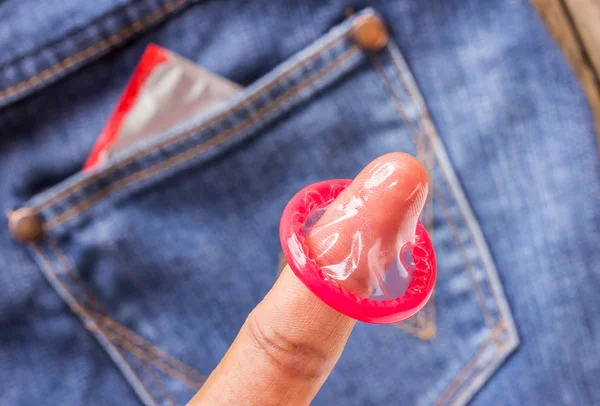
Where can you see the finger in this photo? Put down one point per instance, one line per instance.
(283, 353)
(374, 215)
(291, 341)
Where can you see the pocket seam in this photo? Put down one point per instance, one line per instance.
(195, 150)
(93, 50)
(74, 307)
(129, 341)
(65, 193)
(423, 109)
(455, 388)
(102, 313)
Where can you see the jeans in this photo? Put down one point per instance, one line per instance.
(147, 267)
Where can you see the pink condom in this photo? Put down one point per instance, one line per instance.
(367, 281)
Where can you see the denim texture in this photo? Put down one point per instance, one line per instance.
(149, 265)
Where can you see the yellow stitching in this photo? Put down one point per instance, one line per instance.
(160, 356)
(169, 362)
(92, 50)
(138, 340)
(81, 310)
(417, 139)
(138, 377)
(101, 310)
(191, 152)
(496, 356)
(429, 160)
(478, 290)
(466, 370)
(144, 357)
(75, 309)
(501, 326)
(179, 367)
(123, 342)
(466, 260)
(425, 117)
(147, 367)
(423, 325)
(460, 378)
(165, 368)
(126, 161)
(157, 382)
(127, 344)
(69, 268)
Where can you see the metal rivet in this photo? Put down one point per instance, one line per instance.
(370, 33)
(25, 225)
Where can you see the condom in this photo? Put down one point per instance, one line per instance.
(380, 279)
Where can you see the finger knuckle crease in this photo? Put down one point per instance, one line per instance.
(294, 358)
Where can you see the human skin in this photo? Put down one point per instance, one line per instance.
(291, 341)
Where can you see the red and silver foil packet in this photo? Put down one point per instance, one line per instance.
(165, 90)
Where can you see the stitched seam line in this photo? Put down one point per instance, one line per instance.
(478, 289)
(494, 359)
(423, 325)
(75, 309)
(144, 366)
(71, 33)
(63, 194)
(147, 368)
(161, 388)
(453, 388)
(101, 312)
(153, 359)
(411, 90)
(93, 50)
(144, 359)
(183, 372)
(193, 151)
(69, 268)
(428, 158)
(466, 260)
(463, 375)
(149, 360)
(158, 358)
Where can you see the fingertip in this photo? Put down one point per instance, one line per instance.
(379, 208)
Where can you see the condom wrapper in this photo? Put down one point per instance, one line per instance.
(164, 91)
(389, 287)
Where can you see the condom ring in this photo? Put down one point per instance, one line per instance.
(385, 303)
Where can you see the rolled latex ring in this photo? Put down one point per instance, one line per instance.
(329, 290)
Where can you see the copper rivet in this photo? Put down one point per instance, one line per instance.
(370, 33)
(25, 225)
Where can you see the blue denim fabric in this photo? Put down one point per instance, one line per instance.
(149, 266)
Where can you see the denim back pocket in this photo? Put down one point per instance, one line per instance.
(163, 252)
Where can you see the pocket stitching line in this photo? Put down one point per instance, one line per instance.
(157, 358)
(93, 50)
(195, 150)
(466, 260)
(161, 387)
(455, 388)
(451, 390)
(417, 139)
(426, 115)
(65, 193)
(75, 308)
(146, 355)
(189, 374)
